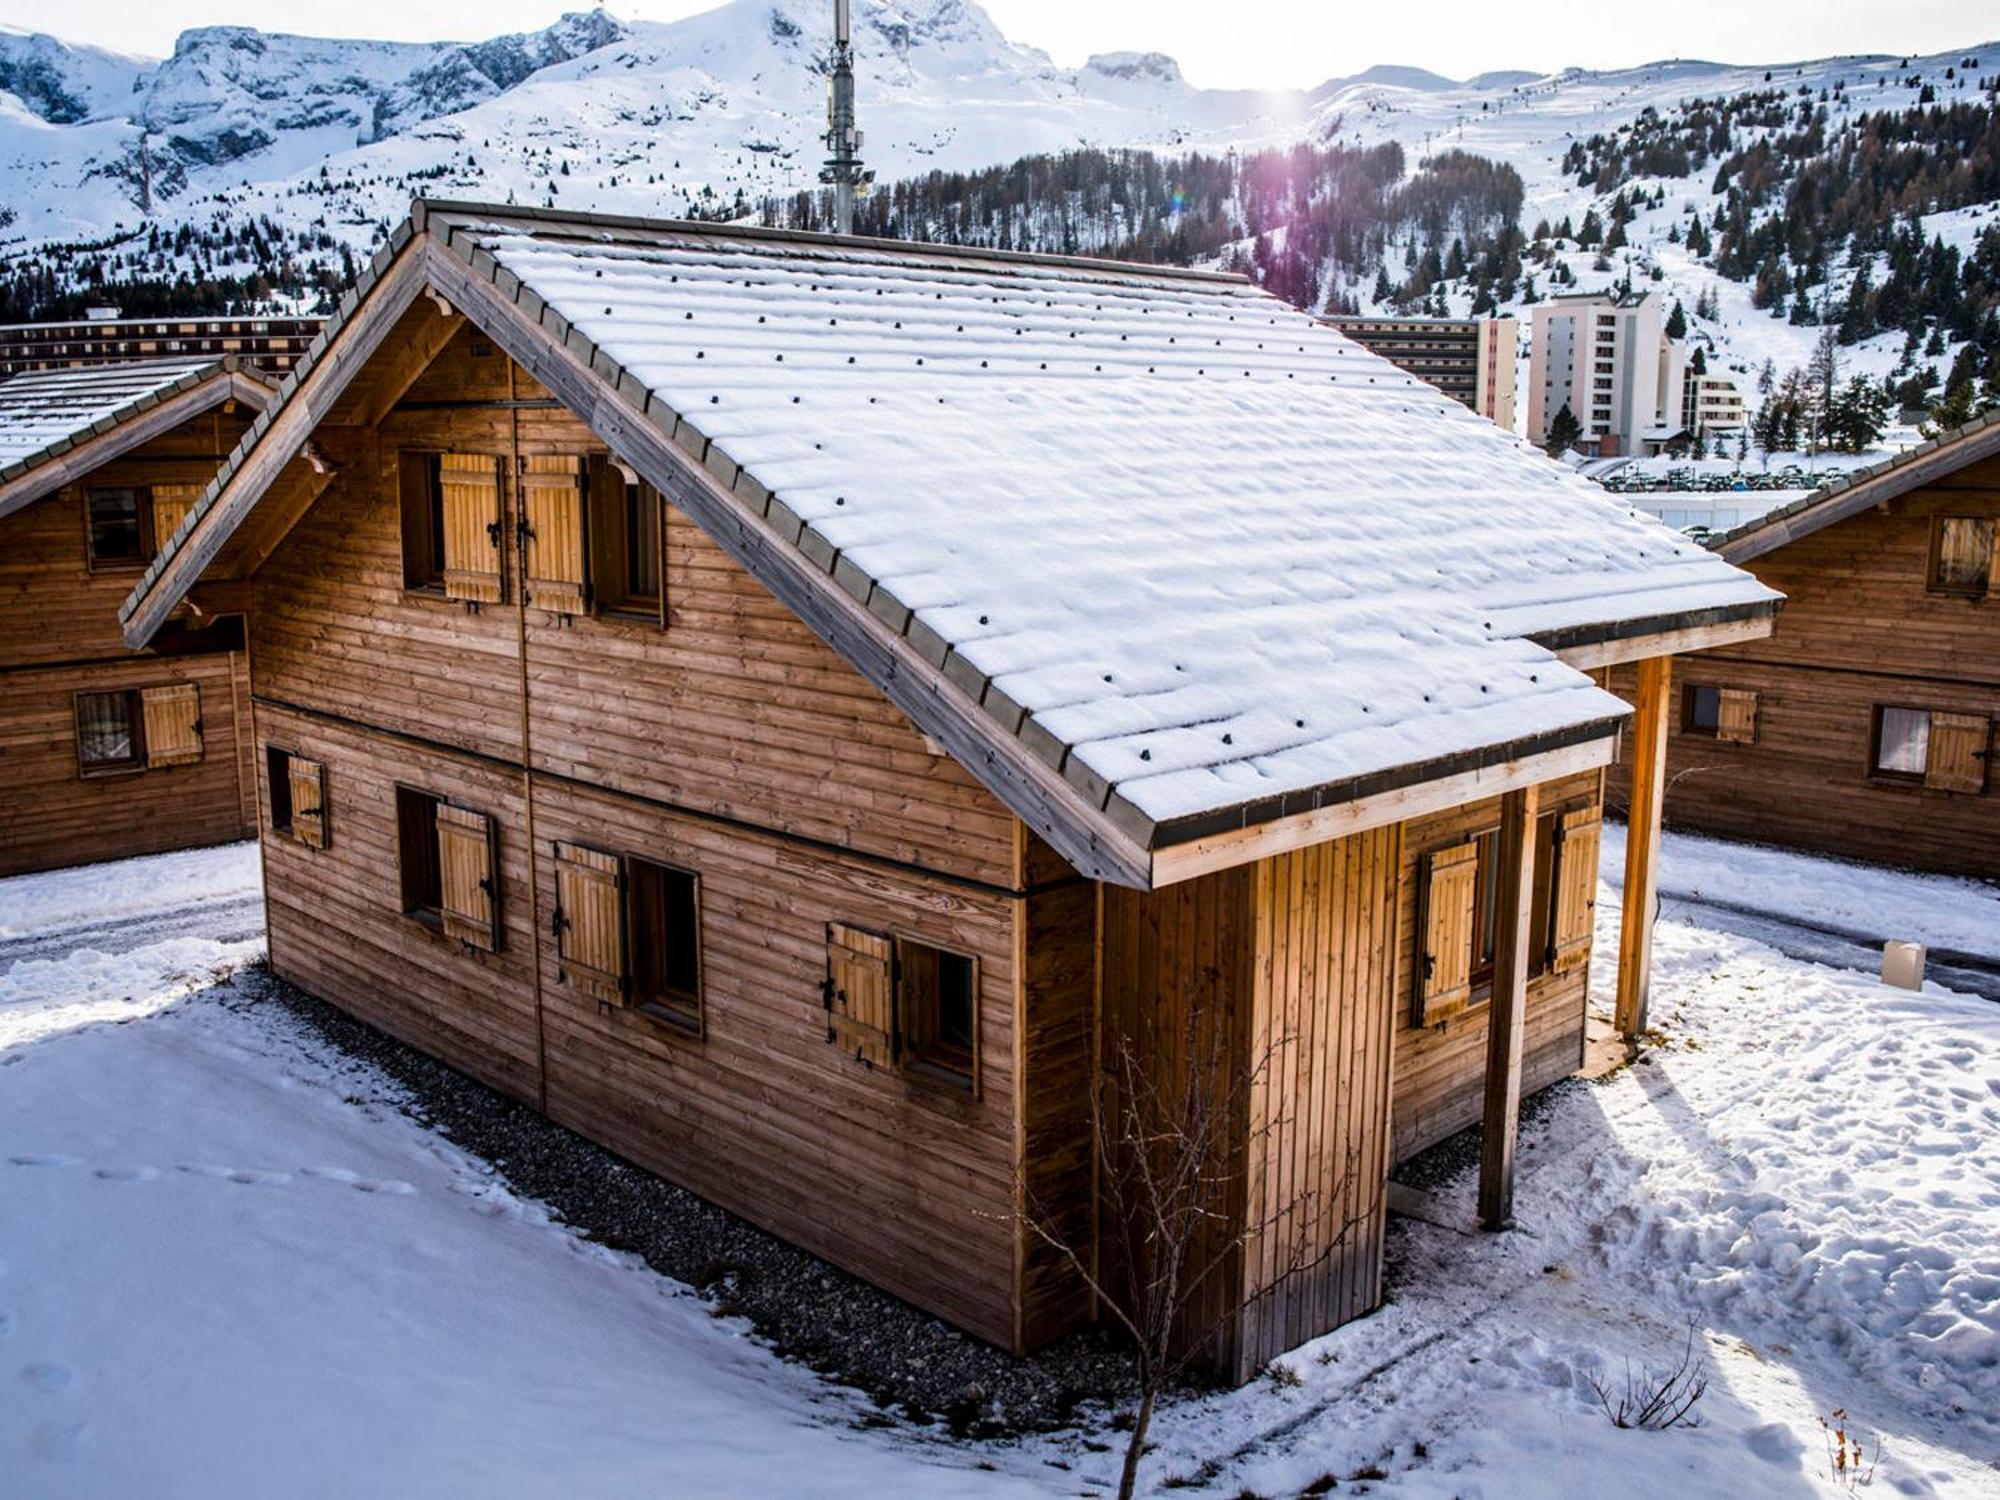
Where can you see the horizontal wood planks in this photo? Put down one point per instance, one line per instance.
(1860, 630)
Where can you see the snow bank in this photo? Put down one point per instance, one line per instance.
(93, 894)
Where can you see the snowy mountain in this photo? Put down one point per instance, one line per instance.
(245, 150)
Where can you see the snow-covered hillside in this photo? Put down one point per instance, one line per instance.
(326, 141)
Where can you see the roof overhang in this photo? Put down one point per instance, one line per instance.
(1061, 800)
(1878, 485)
(118, 434)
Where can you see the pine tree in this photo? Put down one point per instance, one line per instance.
(1677, 323)
(1565, 432)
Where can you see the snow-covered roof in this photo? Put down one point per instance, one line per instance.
(47, 414)
(1211, 561)
(1858, 489)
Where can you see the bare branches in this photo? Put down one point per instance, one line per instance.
(1656, 1401)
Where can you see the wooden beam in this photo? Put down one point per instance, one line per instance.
(1667, 643)
(1507, 1011)
(1220, 851)
(1642, 842)
(402, 363)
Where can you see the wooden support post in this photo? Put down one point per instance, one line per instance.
(1642, 844)
(1506, 1015)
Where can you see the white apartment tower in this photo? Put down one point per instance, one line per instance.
(1606, 357)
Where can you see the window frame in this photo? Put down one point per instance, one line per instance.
(278, 774)
(1486, 905)
(616, 494)
(1690, 699)
(680, 1011)
(917, 1057)
(135, 733)
(420, 491)
(1936, 557)
(142, 501)
(1876, 770)
(426, 914)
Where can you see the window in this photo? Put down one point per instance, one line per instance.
(451, 525)
(119, 534)
(628, 933)
(663, 907)
(1902, 742)
(417, 856)
(903, 1002)
(1719, 713)
(1458, 922)
(1962, 554)
(423, 523)
(298, 797)
(937, 1005)
(108, 731)
(628, 535)
(1947, 752)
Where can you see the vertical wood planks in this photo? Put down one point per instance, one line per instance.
(1642, 842)
(466, 864)
(1450, 879)
(470, 485)
(590, 920)
(860, 993)
(1578, 839)
(173, 724)
(552, 499)
(1508, 1009)
(308, 790)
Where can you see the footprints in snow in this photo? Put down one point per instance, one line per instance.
(245, 1176)
(59, 1441)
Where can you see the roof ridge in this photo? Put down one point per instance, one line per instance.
(422, 208)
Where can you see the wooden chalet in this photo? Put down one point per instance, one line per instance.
(104, 753)
(1864, 726)
(795, 709)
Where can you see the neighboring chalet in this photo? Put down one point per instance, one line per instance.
(104, 753)
(1865, 726)
(797, 709)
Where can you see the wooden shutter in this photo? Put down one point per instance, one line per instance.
(471, 498)
(469, 899)
(860, 993)
(1736, 716)
(308, 783)
(590, 920)
(173, 724)
(1444, 964)
(1577, 840)
(1957, 758)
(552, 496)
(171, 504)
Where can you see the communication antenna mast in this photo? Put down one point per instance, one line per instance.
(843, 167)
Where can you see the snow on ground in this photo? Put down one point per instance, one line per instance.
(229, 1264)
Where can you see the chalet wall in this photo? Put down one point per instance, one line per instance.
(1440, 1069)
(59, 636)
(1859, 629)
(52, 814)
(334, 915)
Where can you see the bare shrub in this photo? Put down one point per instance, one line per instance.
(1656, 1400)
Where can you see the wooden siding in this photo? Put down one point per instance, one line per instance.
(1440, 1068)
(59, 636)
(1860, 629)
(1319, 1117)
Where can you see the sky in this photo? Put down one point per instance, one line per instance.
(1245, 44)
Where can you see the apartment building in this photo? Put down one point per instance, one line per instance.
(1711, 406)
(272, 345)
(1469, 359)
(1608, 359)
